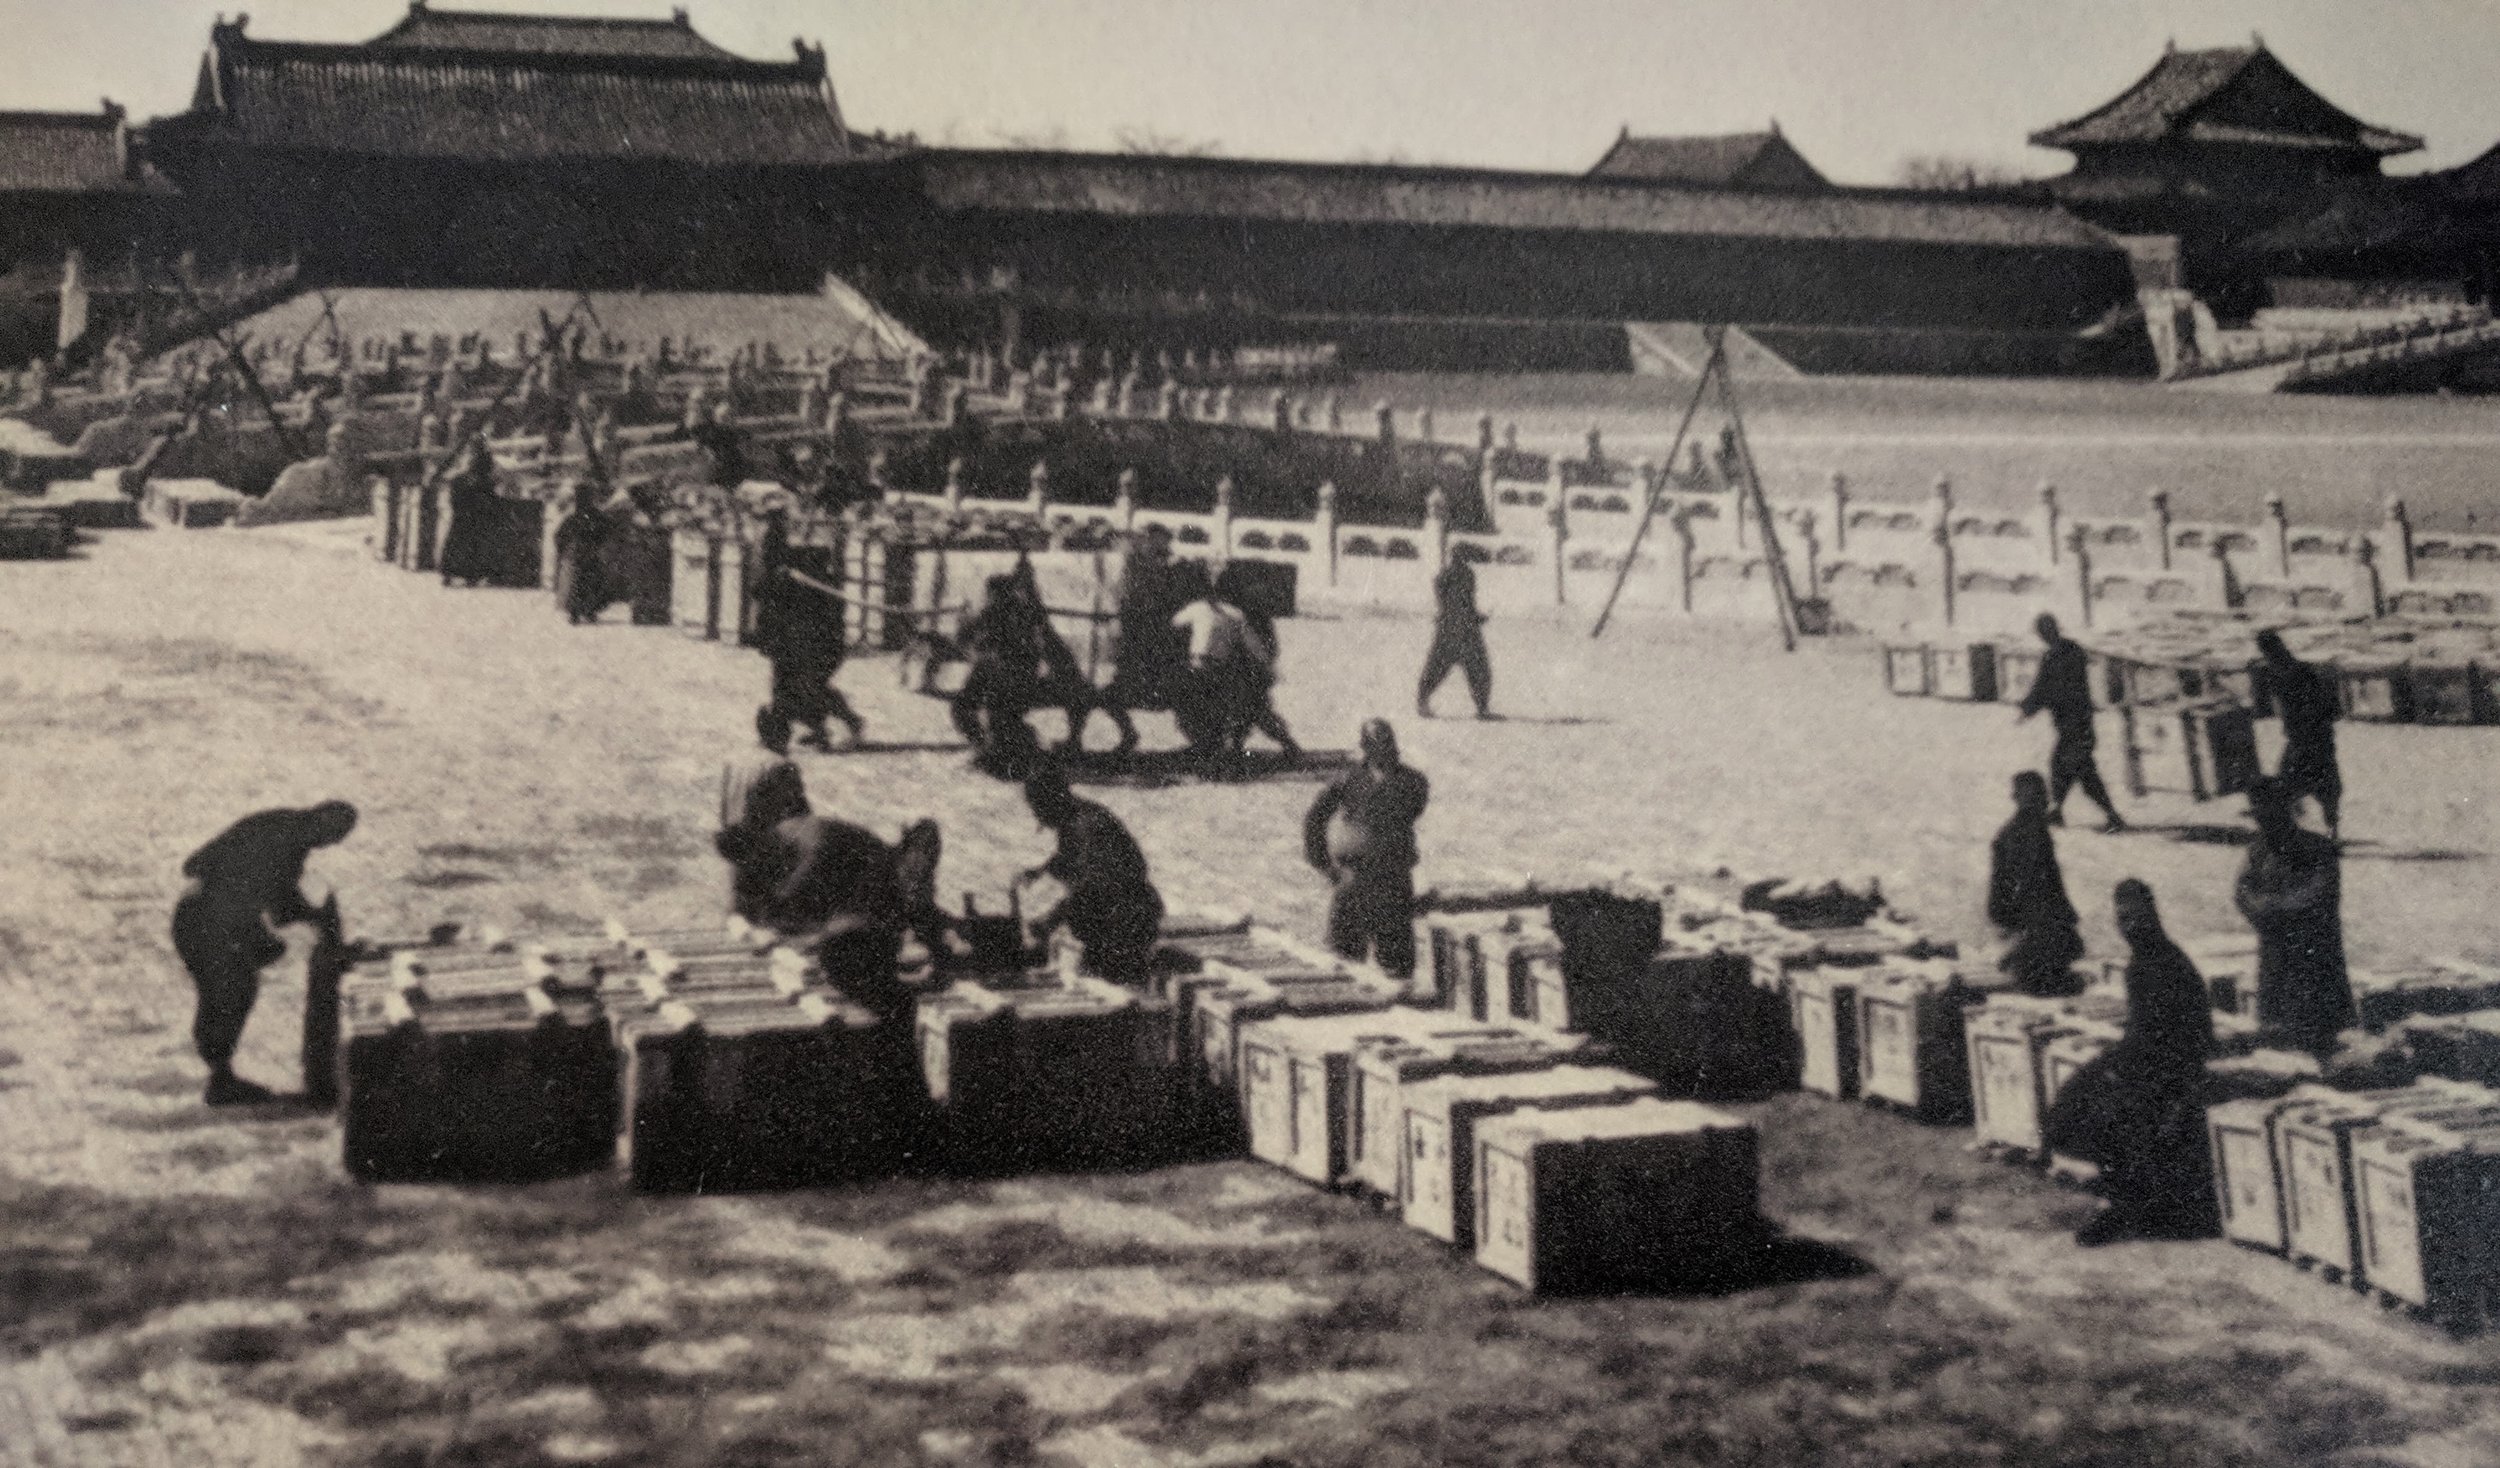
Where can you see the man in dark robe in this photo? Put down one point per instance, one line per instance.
(800, 633)
(2027, 897)
(1003, 643)
(1151, 654)
(1111, 906)
(2291, 892)
(582, 586)
(2064, 690)
(1457, 641)
(2305, 695)
(1360, 834)
(240, 883)
(478, 517)
(2148, 1130)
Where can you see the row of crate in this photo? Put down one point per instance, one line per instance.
(2380, 688)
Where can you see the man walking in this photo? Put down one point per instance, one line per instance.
(1360, 834)
(2291, 892)
(240, 883)
(2027, 897)
(2064, 690)
(802, 638)
(2305, 696)
(1457, 641)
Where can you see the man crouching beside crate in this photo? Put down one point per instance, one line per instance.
(835, 886)
(240, 884)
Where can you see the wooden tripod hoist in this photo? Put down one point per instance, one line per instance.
(1749, 498)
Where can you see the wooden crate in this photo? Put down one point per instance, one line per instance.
(1218, 1015)
(2446, 692)
(1823, 1004)
(2462, 1047)
(489, 1082)
(1441, 1117)
(1297, 1083)
(1376, 1130)
(1525, 976)
(2248, 1184)
(2389, 996)
(1692, 1019)
(2427, 1199)
(694, 586)
(1632, 1195)
(2313, 1155)
(1963, 671)
(1910, 1048)
(2006, 1037)
(1906, 670)
(737, 1092)
(2373, 692)
(1050, 1076)
(2201, 750)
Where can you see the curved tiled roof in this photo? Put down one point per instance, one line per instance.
(425, 28)
(1344, 193)
(2237, 94)
(1734, 159)
(66, 153)
(501, 104)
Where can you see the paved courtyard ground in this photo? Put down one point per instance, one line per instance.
(182, 1287)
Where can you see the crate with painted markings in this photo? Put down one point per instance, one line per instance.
(1441, 1116)
(1376, 1131)
(1219, 1014)
(2078, 1044)
(740, 1091)
(2201, 750)
(2313, 1157)
(1638, 1194)
(2006, 1037)
(1297, 1083)
(498, 1078)
(1911, 1053)
(2427, 1199)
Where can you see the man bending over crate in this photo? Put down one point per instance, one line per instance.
(246, 879)
(1112, 906)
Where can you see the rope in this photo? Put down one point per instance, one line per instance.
(822, 589)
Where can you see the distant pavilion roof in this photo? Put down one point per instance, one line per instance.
(69, 153)
(2234, 95)
(968, 180)
(520, 88)
(1732, 160)
(426, 28)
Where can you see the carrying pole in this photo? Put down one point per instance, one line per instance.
(1774, 559)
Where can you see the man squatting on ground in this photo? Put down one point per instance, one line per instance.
(1112, 906)
(2027, 897)
(1457, 641)
(240, 883)
(2142, 1117)
(2064, 691)
(1360, 833)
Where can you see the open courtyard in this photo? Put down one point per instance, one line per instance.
(182, 1286)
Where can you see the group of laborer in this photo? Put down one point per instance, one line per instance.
(2141, 1112)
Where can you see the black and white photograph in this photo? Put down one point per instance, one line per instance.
(1249, 733)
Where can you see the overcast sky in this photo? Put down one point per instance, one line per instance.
(1542, 84)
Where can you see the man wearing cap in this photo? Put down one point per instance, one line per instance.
(2291, 890)
(1112, 906)
(246, 879)
(1360, 834)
